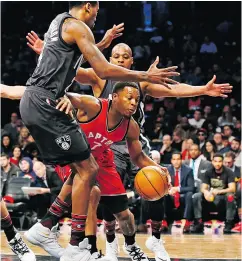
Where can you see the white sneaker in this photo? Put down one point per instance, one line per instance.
(135, 252)
(21, 249)
(99, 257)
(45, 238)
(77, 253)
(156, 246)
(112, 250)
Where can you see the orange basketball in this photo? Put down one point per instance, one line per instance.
(151, 183)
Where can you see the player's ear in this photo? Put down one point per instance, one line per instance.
(114, 96)
(88, 7)
(132, 60)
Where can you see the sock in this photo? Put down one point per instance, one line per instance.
(92, 240)
(110, 230)
(77, 229)
(8, 228)
(155, 226)
(56, 211)
(129, 240)
(198, 220)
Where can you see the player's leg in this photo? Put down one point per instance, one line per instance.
(155, 211)
(15, 241)
(44, 233)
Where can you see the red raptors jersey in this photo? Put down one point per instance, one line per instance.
(99, 136)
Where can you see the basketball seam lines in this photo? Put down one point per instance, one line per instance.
(159, 174)
(141, 192)
(151, 183)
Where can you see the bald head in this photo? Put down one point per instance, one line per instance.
(40, 169)
(122, 46)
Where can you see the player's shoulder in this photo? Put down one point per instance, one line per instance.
(133, 130)
(74, 25)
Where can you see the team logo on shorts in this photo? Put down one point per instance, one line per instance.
(64, 142)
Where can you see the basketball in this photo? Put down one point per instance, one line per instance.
(151, 183)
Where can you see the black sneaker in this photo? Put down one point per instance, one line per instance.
(228, 227)
(197, 227)
(135, 252)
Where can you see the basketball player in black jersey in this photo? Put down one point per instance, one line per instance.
(58, 138)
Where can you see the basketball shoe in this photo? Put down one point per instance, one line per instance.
(156, 246)
(77, 253)
(45, 238)
(21, 249)
(135, 252)
(112, 250)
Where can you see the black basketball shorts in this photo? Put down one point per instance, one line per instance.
(60, 140)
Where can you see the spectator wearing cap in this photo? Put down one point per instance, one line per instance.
(202, 136)
(217, 192)
(228, 131)
(209, 150)
(197, 120)
(198, 164)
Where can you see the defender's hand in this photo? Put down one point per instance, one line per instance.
(218, 90)
(112, 34)
(65, 105)
(34, 42)
(161, 76)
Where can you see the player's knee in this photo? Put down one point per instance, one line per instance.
(125, 215)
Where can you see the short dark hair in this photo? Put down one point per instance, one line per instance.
(73, 4)
(230, 154)
(195, 144)
(176, 153)
(119, 86)
(236, 139)
(3, 154)
(218, 155)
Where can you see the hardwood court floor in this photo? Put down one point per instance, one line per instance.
(187, 247)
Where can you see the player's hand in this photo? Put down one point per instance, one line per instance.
(64, 104)
(112, 34)
(34, 42)
(218, 90)
(168, 177)
(161, 76)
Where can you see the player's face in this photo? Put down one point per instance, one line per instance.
(194, 151)
(176, 161)
(92, 14)
(217, 163)
(127, 101)
(121, 56)
(228, 162)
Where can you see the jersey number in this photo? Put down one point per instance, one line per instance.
(97, 144)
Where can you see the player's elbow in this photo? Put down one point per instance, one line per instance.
(105, 72)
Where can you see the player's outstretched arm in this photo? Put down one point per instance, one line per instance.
(12, 92)
(185, 90)
(83, 36)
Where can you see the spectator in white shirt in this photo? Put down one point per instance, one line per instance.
(197, 120)
(208, 46)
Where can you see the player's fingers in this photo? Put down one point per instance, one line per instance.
(120, 25)
(119, 30)
(172, 68)
(63, 107)
(31, 46)
(169, 74)
(224, 86)
(31, 36)
(30, 40)
(226, 91)
(60, 102)
(223, 95)
(68, 108)
(34, 34)
(117, 35)
(165, 84)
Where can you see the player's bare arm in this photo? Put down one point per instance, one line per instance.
(87, 105)
(185, 90)
(77, 32)
(12, 92)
